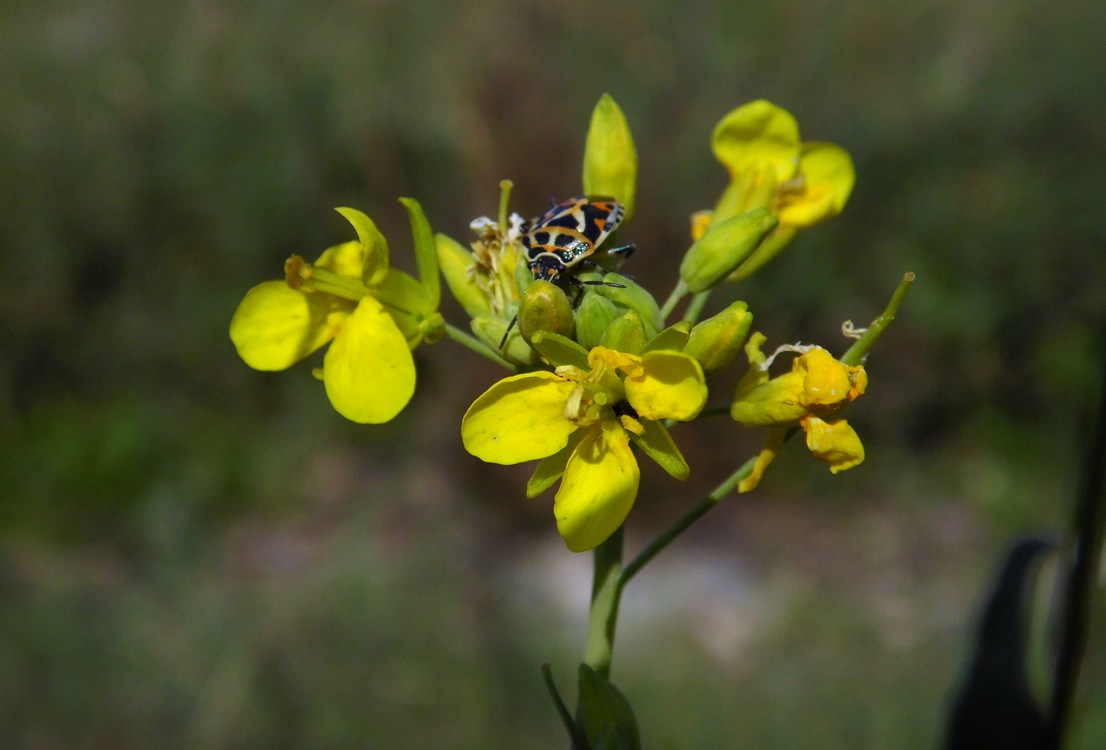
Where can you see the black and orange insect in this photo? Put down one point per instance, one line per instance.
(567, 236)
(569, 233)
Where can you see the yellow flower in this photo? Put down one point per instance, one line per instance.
(817, 387)
(801, 183)
(373, 315)
(581, 419)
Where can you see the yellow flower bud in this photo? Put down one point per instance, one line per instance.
(544, 307)
(723, 248)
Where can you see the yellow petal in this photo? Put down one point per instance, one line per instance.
(346, 259)
(828, 176)
(669, 385)
(368, 371)
(276, 326)
(758, 133)
(834, 443)
(598, 488)
(520, 418)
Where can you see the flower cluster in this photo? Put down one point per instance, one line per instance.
(601, 372)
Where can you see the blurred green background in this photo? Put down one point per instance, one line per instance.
(193, 554)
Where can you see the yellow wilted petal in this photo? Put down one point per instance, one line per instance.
(828, 177)
(669, 385)
(520, 418)
(276, 326)
(835, 443)
(758, 133)
(764, 459)
(776, 402)
(368, 371)
(826, 381)
(598, 489)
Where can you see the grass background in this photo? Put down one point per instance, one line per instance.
(193, 554)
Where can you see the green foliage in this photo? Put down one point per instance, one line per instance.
(173, 572)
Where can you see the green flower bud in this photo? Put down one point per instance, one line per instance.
(455, 262)
(722, 249)
(593, 317)
(716, 341)
(772, 245)
(629, 296)
(610, 159)
(625, 334)
(544, 307)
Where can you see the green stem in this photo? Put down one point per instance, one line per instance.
(471, 342)
(606, 591)
(691, 315)
(504, 194)
(674, 299)
(863, 345)
(684, 523)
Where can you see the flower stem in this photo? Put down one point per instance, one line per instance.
(863, 345)
(691, 315)
(504, 194)
(684, 523)
(471, 342)
(609, 577)
(606, 591)
(674, 299)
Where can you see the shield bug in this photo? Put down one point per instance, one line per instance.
(566, 237)
(570, 233)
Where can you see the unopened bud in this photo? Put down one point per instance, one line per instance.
(544, 307)
(610, 159)
(716, 341)
(625, 334)
(593, 318)
(723, 248)
(628, 295)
